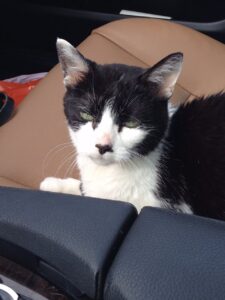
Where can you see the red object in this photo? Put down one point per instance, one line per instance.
(17, 91)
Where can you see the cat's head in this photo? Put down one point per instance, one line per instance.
(116, 112)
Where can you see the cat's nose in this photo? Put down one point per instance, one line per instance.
(104, 148)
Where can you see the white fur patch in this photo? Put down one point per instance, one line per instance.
(172, 109)
(57, 185)
(184, 208)
(133, 182)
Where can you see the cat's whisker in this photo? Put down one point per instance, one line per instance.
(131, 163)
(84, 109)
(91, 98)
(150, 129)
(70, 168)
(129, 98)
(131, 101)
(138, 155)
(52, 153)
(128, 161)
(65, 160)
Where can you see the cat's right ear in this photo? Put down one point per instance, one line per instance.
(73, 64)
(165, 74)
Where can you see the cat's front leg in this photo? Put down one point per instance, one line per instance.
(58, 185)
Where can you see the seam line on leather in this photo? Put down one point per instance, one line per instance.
(14, 181)
(131, 54)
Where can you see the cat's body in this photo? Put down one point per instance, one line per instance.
(193, 167)
(129, 149)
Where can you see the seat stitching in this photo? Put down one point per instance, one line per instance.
(131, 54)
(12, 180)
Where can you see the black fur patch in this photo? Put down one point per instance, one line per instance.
(192, 168)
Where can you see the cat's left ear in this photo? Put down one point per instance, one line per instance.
(73, 63)
(164, 74)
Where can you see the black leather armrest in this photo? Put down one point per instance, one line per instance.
(169, 256)
(73, 238)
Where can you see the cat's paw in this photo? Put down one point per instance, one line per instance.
(58, 185)
(51, 184)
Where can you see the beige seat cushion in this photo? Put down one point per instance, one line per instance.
(35, 143)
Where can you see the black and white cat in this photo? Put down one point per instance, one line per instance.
(130, 149)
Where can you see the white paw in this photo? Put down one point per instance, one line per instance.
(58, 185)
(51, 184)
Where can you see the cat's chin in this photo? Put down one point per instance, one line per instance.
(101, 161)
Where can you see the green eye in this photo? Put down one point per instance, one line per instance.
(132, 124)
(86, 117)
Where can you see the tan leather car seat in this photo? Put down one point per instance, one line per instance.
(34, 144)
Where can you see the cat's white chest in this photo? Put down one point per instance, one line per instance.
(135, 183)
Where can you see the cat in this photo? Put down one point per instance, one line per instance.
(128, 146)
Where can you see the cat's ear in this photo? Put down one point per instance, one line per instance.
(73, 64)
(165, 73)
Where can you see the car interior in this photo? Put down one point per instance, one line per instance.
(57, 246)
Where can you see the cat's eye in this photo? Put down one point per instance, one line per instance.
(132, 124)
(86, 117)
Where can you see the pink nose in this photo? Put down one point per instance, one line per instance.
(105, 139)
(104, 148)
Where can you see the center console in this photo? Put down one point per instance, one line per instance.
(60, 247)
